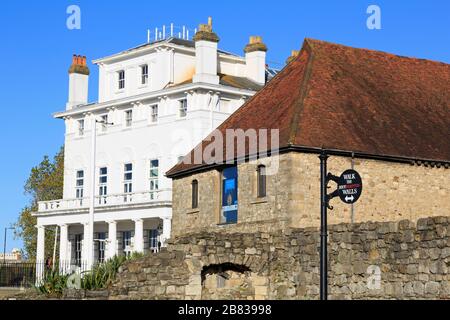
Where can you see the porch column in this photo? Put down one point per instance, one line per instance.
(167, 227)
(139, 235)
(85, 249)
(40, 254)
(112, 239)
(63, 245)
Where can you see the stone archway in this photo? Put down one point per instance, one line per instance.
(226, 269)
(227, 281)
(227, 276)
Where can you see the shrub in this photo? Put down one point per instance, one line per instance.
(53, 283)
(100, 277)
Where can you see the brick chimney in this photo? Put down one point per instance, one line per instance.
(255, 59)
(78, 82)
(206, 54)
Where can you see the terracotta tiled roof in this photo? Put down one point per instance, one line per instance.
(357, 100)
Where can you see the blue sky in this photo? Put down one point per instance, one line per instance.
(36, 50)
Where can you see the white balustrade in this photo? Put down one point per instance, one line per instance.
(108, 200)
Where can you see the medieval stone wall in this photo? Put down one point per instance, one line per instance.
(372, 260)
(391, 192)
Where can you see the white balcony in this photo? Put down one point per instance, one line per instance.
(114, 201)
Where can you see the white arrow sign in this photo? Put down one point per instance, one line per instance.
(348, 199)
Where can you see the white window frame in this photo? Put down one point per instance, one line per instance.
(102, 185)
(121, 79)
(79, 187)
(80, 127)
(101, 247)
(128, 119)
(127, 243)
(153, 114)
(182, 108)
(154, 180)
(144, 74)
(127, 183)
(153, 240)
(78, 241)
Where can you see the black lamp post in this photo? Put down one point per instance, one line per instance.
(323, 226)
(4, 245)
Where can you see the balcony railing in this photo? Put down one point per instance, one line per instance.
(122, 199)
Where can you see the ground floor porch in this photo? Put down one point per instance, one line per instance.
(115, 233)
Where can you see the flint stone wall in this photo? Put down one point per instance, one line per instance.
(382, 260)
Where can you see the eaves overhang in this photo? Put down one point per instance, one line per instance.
(438, 163)
(151, 95)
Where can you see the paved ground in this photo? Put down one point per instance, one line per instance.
(4, 292)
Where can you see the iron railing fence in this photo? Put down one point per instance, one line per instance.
(17, 274)
(25, 274)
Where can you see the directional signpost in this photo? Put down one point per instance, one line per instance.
(349, 188)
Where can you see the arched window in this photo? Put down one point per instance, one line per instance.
(261, 173)
(194, 194)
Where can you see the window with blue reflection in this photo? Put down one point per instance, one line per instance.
(229, 195)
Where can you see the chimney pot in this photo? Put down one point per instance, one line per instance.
(79, 65)
(205, 32)
(255, 39)
(294, 54)
(255, 44)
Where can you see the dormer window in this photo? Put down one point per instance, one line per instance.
(121, 75)
(144, 74)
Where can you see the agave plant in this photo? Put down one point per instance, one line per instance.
(53, 283)
(136, 255)
(102, 275)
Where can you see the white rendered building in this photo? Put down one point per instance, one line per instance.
(155, 103)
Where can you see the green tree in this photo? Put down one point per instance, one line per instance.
(44, 183)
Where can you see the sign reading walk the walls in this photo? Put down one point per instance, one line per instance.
(349, 186)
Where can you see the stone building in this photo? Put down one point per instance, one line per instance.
(385, 115)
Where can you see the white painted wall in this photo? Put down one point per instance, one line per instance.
(256, 66)
(206, 62)
(166, 66)
(78, 90)
(165, 140)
